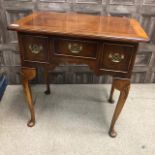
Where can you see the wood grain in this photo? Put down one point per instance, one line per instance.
(123, 85)
(105, 27)
(27, 75)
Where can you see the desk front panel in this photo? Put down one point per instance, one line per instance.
(116, 58)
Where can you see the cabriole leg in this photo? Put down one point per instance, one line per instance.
(123, 85)
(27, 75)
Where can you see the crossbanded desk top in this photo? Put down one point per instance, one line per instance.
(105, 27)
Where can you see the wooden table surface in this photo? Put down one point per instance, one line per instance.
(106, 27)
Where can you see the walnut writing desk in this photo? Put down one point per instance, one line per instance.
(108, 45)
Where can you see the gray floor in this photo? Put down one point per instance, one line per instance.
(74, 120)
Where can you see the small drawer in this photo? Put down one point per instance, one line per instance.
(116, 57)
(75, 48)
(35, 48)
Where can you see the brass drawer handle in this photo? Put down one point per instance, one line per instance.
(116, 57)
(75, 48)
(35, 49)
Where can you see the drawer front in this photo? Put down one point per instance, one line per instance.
(116, 57)
(75, 48)
(35, 48)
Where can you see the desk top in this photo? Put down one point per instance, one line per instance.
(82, 25)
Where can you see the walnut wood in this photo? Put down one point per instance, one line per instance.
(103, 27)
(127, 50)
(27, 75)
(28, 39)
(108, 45)
(123, 85)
